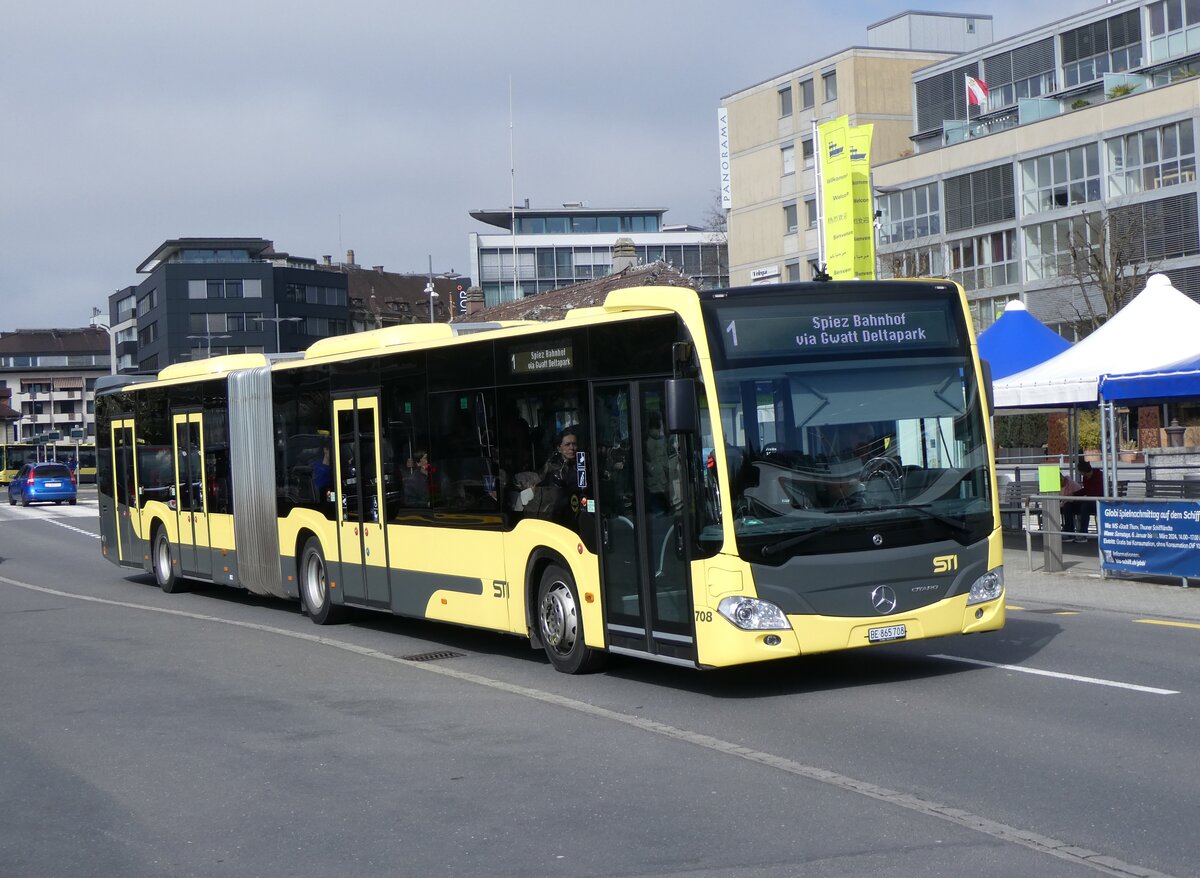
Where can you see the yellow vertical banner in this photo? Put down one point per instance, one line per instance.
(837, 198)
(859, 139)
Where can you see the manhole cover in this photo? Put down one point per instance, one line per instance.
(432, 656)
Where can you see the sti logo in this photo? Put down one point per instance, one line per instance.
(945, 563)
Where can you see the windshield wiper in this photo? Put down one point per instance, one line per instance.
(783, 545)
(956, 523)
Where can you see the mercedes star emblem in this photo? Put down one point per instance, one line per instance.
(883, 599)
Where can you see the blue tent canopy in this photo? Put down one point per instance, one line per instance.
(1169, 382)
(1017, 341)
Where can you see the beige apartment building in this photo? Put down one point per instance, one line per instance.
(771, 190)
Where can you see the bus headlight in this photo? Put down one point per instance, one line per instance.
(987, 587)
(751, 614)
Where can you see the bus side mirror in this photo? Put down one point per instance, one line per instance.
(680, 403)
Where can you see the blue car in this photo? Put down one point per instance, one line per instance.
(42, 483)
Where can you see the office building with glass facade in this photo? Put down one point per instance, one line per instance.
(1080, 164)
(545, 249)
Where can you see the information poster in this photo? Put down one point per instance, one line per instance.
(1160, 539)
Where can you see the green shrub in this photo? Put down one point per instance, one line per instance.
(1021, 431)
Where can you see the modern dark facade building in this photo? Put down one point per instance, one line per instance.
(211, 296)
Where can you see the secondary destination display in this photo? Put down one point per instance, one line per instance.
(553, 356)
(834, 328)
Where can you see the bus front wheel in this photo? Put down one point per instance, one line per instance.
(314, 586)
(560, 625)
(164, 567)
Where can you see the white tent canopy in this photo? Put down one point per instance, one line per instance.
(1159, 327)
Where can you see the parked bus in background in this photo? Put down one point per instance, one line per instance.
(13, 456)
(704, 479)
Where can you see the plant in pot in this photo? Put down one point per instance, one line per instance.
(1089, 435)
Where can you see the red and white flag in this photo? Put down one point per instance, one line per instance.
(977, 92)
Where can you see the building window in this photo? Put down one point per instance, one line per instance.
(148, 334)
(1024, 72)
(806, 151)
(917, 262)
(1110, 46)
(806, 94)
(829, 81)
(1153, 230)
(197, 289)
(810, 212)
(792, 271)
(980, 198)
(785, 101)
(789, 218)
(252, 288)
(1060, 248)
(910, 213)
(984, 261)
(788, 156)
(1154, 159)
(1066, 178)
(147, 302)
(1173, 28)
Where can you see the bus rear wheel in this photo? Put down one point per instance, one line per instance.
(314, 586)
(164, 567)
(560, 625)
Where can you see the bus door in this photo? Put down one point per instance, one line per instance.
(191, 496)
(125, 492)
(360, 502)
(640, 514)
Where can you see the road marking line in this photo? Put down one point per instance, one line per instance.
(1065, 613)
(78, 530)
(927, 807)
(1012, 607)
(1073, 677)
(1165, 622)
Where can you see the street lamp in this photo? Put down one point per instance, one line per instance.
(277, 320)
(112, 340)
(432, 293)
(207, 338)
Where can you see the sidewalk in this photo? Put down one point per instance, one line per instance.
(1080, 586)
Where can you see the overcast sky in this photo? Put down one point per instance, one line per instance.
(372, 126)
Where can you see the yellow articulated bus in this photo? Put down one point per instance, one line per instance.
(13, 456)
(703, 479)
(80, 458)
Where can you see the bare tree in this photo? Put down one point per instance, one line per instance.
(1108, 263)
(715, 216)
(907, 263)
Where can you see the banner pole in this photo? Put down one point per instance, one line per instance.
(820, 177)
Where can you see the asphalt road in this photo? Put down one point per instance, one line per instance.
(213, 733)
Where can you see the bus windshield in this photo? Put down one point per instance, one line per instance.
(827, 451)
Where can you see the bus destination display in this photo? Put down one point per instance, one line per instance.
(769, 331)
(553, 357)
